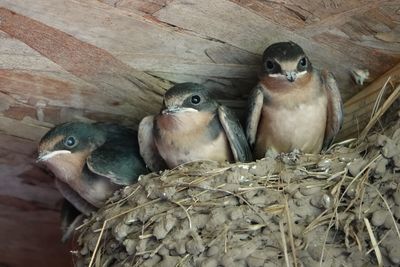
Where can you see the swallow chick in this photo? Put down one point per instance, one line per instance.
(91, 161)
(191, 126)
(294, 106)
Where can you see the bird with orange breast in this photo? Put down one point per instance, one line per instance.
(191, 126)
(90, 161)
(294, 106)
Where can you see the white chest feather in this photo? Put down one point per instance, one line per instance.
(176, 152)
(299, 126)
(185, 138)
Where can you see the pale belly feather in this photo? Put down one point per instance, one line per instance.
(187, 139)
(93, 188)
(301, 127)
(176, 151)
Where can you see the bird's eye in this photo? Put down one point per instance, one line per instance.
(303, 62)
(70, 142)
(270, 65)
(195, 99)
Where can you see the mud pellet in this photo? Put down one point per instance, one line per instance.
(169, 261)
(308, 191)
(396, 211)
(298, 195)
(210, 262)
(254, 261)
(394, 254)
(396, 197)
(356, 166)
(213, 250)
(150, 262)
(378, 217)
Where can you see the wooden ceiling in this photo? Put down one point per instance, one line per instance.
(112, 60)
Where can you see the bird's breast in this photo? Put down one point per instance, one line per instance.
(299, 126)
(72, 170)
(191, 137)
(67, 167)
(94, 188)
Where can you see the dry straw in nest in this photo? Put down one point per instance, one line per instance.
(341, 208)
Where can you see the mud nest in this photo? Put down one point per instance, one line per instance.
(341, 208)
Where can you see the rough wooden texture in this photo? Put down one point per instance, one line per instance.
(112, 60)
(358, 109)
(29, 210)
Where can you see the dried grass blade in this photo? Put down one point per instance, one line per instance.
(386, 105)
(282, 229)
(373, 242)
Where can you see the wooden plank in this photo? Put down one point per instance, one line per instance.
(145, 6)
(26, 128)
(250, 32)
(38, 91)
(230, 23)
(135, 47)
(31, 238)
(113, 59)
(308, 18)
(340, 17)
(376, 86)
(31, 84)
(369, 30)
(277, 12)
(70, 68)
(21, 177)
(29, 209)
(85, 61)
(358, 109)
(16, 55)
(376, 61)
(226, 88)
(126, 35)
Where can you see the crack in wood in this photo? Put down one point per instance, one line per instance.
(181, 29)
(297, 13)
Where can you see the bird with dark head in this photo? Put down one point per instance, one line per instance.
(286, 61)
(191, 126)
(91, 161)
(294, 106)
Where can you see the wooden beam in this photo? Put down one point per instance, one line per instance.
(27, 128)
(358, 109)
(29, 209)
(88, 62)
(338, 19)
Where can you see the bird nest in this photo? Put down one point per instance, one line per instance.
(341, 208)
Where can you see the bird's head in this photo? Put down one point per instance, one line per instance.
(286, 61)
(188, 98)
(64, 148)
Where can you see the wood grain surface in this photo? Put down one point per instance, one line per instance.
(112, 60)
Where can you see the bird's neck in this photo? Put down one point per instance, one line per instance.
(282, 93)
(184, 122)
(68, 167)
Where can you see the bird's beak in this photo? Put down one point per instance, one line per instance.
(171, 110)
(291, 76)
(175, 109)
(46, 155)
